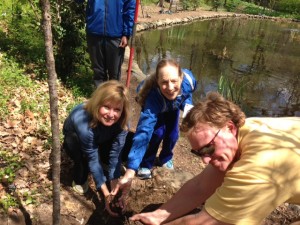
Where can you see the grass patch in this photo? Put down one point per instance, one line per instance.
(232, 90)
(10, 163)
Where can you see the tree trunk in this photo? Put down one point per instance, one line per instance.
(52, 78)
(161, 3)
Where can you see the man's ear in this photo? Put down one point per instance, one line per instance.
(232, 128)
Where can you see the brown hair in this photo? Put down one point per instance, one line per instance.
(113, 91)
(214, 110)
(151, 80)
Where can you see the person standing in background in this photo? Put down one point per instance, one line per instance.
(161, 4)
(109, 25)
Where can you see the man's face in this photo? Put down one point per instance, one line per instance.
(216, 146)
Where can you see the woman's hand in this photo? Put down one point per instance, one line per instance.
(112, 201)
(113, 184)
(111, 207)
(108, 198)
(122, 188)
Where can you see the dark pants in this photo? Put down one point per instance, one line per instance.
(106, 57)
(166, 130)
(72, 147)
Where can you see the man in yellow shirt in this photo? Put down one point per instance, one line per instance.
(253, 167)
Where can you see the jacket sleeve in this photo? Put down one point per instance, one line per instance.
(189, 85)
(90, 150)
(128, 17)
(141, 139)
(115, 156)
(154, 105)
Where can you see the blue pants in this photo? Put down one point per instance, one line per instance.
(167, 130)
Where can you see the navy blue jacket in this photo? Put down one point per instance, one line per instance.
(110, 18)
(155, 104)
(90, 139)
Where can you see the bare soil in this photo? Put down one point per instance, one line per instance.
(152, 13)
(144, 196)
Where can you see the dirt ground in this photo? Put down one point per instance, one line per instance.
(145, 195)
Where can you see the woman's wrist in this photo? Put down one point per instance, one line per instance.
(129, 175)
(104, 190)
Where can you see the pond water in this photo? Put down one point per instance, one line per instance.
(260, 58)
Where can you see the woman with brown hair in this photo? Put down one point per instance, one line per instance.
(162, 95)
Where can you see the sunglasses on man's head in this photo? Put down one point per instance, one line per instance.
(207, 149)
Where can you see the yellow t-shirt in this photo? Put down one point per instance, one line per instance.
(267, 174)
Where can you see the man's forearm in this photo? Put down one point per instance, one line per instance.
(193, 193)
(184, 201)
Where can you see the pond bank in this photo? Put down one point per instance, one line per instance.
(150, 18)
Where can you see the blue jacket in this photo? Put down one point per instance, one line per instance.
(155, 104)
(78, 122)
(110, 18)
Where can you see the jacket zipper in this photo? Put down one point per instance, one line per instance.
(105, 17)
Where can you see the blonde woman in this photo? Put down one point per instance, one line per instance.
(94, 137)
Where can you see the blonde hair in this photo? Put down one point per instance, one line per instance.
(108, 91)
(215, 110)
(151, 80)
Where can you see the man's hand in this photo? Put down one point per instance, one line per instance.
(124, 42)
(147, 218)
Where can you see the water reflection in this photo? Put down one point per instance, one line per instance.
(264, 54)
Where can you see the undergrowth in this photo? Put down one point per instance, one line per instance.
(23, 84)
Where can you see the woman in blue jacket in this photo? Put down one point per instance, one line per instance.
(94, 137)
(162, 95)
